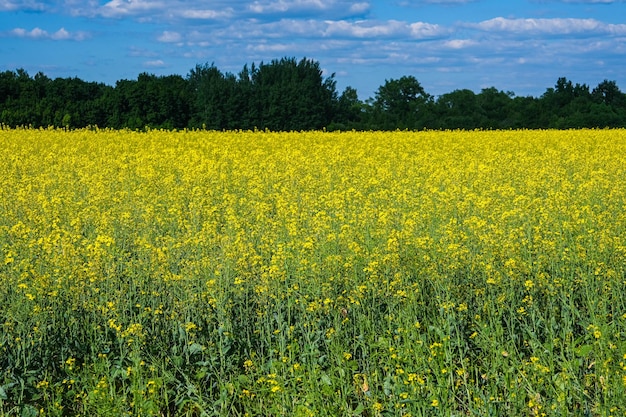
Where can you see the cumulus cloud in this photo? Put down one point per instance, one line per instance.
(364, 29)
(121, 8)
(556, 26)
(311, 29)
(169, 36)
(459, 43)
(206, 14)
(271, 47)
(157, 63)
(359, 7)
(162, 10)
(9, 5)
(389, 28)
(308, 28)
(422, 30)
(38, 33)
(274, 6)
(313, 9)
(6, 6)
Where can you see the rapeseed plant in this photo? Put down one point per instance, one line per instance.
(313, 273)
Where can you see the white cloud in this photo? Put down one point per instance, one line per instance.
(285, 5)
(422, 30)
(359, 7)
(557, 26)
(363, 29)
(389, 28)
(8, 5)
(303, 28)
(459, 43)
(120, 8)
(60, 34)
(310, 29)
(170, 36)
(258, 7)
(307, 8)
(171, 10)
(206, 14)
(38, 33)
(272, 47)
(157, 63)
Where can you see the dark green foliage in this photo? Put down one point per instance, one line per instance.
(214, 97)
(401, 104)
(41, 101)
(291, 95)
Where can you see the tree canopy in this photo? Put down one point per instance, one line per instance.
(292, 95)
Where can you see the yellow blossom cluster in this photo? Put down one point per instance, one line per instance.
(313, 273)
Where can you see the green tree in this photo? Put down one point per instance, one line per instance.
(400, 104)
(609, 107)
(458, 110)
(292, 95)
(152, 101)
(567, 105)
(349, 111)
(496, 109)
(213, 96)
(607, 92)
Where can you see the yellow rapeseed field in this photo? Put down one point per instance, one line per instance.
(312, 274)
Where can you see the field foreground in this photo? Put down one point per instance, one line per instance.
(313, 274)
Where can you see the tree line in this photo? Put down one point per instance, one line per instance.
(288, 94)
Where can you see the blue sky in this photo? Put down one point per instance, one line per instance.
(513, 45)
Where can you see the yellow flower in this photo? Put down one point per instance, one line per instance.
(70, 362)
(42, 384)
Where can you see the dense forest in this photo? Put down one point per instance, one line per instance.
(287, 95)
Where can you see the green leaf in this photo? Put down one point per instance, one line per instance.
(177, 360)
(195, 348)
(29, 411)
(359, 410)
(387, 386)
(326, 380)
(584, 350)
(201, 373)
